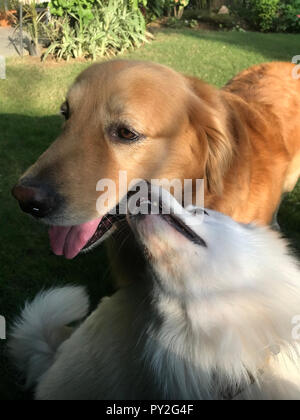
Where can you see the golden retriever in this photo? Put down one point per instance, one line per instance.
(154, 123)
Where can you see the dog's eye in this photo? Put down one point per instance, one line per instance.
(123, 133)
(127, 135)
(65, 110)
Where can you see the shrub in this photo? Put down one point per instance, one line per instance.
(138, 3)
(157, 8)
(261, 13)
(287, 19)
(151, 9)
(115, 27)
(76, 9)
(264, 12)
(265, 15)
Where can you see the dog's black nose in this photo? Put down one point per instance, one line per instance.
(37, 200)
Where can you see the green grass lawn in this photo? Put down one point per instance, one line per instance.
(29, 121)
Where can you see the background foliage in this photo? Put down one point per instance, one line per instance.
(113, 28)
(266, 15)
(82, 9)
(261, 15)
(287, 19)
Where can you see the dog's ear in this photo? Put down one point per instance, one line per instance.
(208, 121)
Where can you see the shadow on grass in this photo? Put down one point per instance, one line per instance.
(289, 218)
(26, 262)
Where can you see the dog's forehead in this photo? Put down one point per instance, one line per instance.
(129, 71)
(137, 85)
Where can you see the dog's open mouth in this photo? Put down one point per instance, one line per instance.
(105, 226)
(70, 241)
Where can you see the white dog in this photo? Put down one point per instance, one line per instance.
(211, 319)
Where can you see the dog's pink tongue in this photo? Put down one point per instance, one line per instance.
(69, 241)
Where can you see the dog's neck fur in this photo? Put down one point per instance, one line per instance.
(239, 125)
(209, 351)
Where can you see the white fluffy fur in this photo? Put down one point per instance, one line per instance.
(202, 324)
(42, 328)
